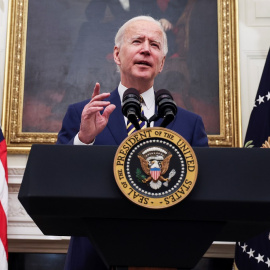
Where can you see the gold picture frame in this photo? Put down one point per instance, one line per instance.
(19, 141)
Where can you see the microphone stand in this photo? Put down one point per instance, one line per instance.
(168, 118)
(132, 117)
(151, 119)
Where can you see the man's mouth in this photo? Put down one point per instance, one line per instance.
(144, 63)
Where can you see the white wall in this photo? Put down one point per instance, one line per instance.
(254, 42)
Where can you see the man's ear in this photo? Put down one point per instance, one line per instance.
(162, 64)
(116, 52)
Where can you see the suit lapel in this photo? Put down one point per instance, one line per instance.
(116, 123)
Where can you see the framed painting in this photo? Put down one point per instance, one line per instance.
(58, 49)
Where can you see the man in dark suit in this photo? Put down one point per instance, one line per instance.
(139, 52)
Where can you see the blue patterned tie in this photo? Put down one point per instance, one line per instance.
(130, 126)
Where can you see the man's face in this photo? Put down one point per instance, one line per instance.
(141, 53)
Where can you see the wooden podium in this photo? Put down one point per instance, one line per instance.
(70, 190)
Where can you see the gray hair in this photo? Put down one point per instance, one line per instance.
(120, 34)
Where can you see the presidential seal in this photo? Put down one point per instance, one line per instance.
(155, 168)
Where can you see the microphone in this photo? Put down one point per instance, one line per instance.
(131, 107)
(166, 107)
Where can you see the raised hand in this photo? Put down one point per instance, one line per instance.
(92, 121)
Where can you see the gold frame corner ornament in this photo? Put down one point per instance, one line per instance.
(229, 88)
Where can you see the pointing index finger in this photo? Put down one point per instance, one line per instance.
(96, 90)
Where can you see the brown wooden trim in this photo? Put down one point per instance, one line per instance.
(38, 246)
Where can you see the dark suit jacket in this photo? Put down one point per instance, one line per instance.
(81, 254)
(187, 124)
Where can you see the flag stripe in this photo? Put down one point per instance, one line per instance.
(3, 231)
(3, 204)
(3, 157)
(3, 258)
(3, 189)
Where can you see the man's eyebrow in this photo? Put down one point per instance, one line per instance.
(142, 37)
(138, 37)
(157, 41)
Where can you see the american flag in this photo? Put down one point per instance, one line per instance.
(3, 204)
(254, 254)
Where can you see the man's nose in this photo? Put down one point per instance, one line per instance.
(145, 48)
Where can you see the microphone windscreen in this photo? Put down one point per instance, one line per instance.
(163, 93)
(131, 102)
(131, 92)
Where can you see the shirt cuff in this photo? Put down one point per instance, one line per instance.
(78, 142)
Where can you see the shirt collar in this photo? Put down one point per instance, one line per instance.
(148, 96)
